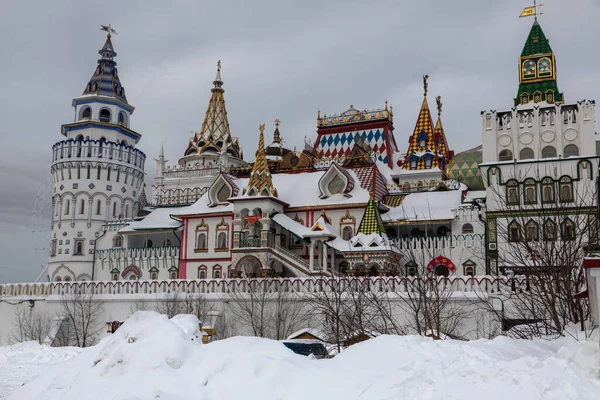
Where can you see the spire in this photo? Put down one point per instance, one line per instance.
(214, 133)
(276, 135)
(439, 134)
(105, 80)
(161, 154)
(537, 70)
(261, 183)
(371, 221)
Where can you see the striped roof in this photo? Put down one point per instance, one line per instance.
(105, 81)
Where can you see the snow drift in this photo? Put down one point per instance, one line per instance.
(152, 357)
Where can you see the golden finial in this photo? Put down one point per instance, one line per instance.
(438, 100)
(261, 128)
(277, 122)
(219, 65)
(371, 195)
(425, 77)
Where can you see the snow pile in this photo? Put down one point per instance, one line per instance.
(151, 357)
(22, 362)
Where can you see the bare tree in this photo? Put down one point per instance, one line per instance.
(30, 325)
(184, 303)
(542, 227)
(80, 314)
(267, 309)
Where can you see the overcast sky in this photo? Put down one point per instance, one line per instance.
(281, 59)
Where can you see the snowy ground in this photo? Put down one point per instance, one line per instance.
(151, 357)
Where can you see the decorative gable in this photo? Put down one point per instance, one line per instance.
(336, 180)
(222, 189)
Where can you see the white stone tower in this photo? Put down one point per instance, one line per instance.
(97, 171)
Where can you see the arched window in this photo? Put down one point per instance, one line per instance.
(505, 155)
(531, 230)
(514, 232)
(467, 228)
(173, 275)
(530, 190)
(526, 153)
(565, 190)
(133, 277)
(223, 194)
(105, 115)
(98, 207)
(512, 192)
(571, 150)
(347, 232)
(216, 273)
(67, 204)
(114, 210)
(114, 276)
(82, 206)
(567, 229)
(67, 279)
(548, 152)
(78, 248)
(57, 279)
(547, 190)
(222, 240)
(154, 275)
(201, 241)
(122, 118)
(148, 243)
(441, 270)
(549, 230)
(202, 274)
(86, 113)
(118, 241)
(415, 232)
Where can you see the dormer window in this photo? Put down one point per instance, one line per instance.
(336, 180)
(104, 115)
(223, 194)
(336, 186)
(428, 163)
(422, 143)
(413, 164)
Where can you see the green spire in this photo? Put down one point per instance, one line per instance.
(537, 70)
(371, 221)
(536, 43)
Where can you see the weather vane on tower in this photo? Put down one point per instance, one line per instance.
(425, 77)
(529, 11)
(108, 29)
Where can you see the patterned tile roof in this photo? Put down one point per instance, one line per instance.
(371, 221)
(371, 179)
(215, 134)
(536, 42)
(105, 81)
(465, 168)
(393, 200)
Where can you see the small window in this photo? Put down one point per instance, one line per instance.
(217, 274)
(428, 163)
(422, 143)
(78, 251)
(549, 230)
(67, 204)
(222, 240)
(114, 276)
(336, 185)
(411, 271)
(223, 194)
(347, 232)
(530, 191)
(105, 115)
(547, 190)
(118, 241)
(505, 155)
(82, 206)
(526, 154)
(86, 113)
(514, 232)
(566, 190)
(154, 275)
(202, 274)
(98, 207)
(57, 279)
(567, 230)
(67, 279)
(469, 270)
(413, 164)
(531, 230)
(148, 243)
(467, 228)
(173, 275)
(201, 241)
(512, 192)
(549, 152)
(122, 118)
(571, 150)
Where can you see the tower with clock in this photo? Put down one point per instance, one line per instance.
(537, 70)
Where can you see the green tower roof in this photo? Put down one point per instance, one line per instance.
(371, 221)
(536, 43)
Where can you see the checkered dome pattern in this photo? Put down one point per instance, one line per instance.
(340, 144)
(371, 221)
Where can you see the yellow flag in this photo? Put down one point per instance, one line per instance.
(527, 12)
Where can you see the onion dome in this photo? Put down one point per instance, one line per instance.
(275, 151)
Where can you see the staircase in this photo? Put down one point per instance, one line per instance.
(294, 261)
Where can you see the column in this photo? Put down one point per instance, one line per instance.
(332, 263)
(60, 211)
(107, 215)
(311, 255)
(90, 206)
(73, 212)
(324, 257)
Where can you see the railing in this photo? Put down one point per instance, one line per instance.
(139, 252)
(302, 263)
(253, 242)
(438, 242)
(96, 149)
(179, 196)
(458, 286)
(180, 172)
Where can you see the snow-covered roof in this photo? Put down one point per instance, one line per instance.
(426, 206)
(321, 228)
(158, 219)
(287, 223)
(475, 194)
(311, 331)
